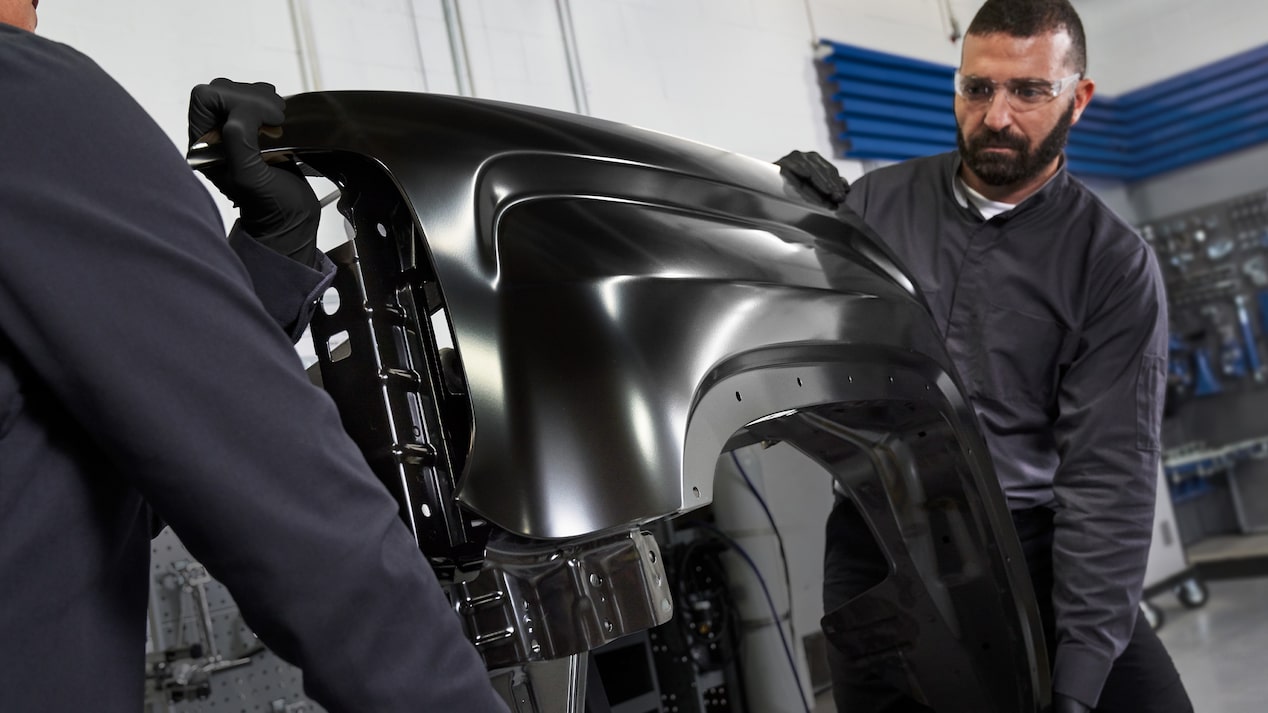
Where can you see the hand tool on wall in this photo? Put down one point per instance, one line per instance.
(1256, 270)
(1232, 352)
(1179, 376)
(1232, 356)
(1262, 298)
(1178, 358)
(1205, 382)
(1248, 336)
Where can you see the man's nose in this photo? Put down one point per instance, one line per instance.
(998, 113)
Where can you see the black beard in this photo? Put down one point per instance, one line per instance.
(1001, 170)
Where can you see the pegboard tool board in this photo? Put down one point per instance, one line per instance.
(1215, 263)
(200, 655)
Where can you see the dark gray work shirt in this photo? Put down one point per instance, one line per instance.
(1055, 316)
(139, 368)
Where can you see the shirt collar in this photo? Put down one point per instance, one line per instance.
(1059, 178)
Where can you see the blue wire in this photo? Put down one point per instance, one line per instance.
(774, 528)
(779, 538)
(770, 602)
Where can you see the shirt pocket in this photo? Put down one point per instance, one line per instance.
(1021, 357)
(1151, 384)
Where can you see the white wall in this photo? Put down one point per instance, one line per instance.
(159, 50)
(733, 73)
(1132, 43)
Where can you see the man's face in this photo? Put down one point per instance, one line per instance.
(19, 13)
(1000, 144)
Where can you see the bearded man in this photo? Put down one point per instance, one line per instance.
(1054, 313)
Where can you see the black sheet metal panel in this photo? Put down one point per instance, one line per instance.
(626, 306)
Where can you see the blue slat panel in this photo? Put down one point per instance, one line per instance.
(867, 108)
(1240, 84)
(877, 147)
(883, 127)
(1196, 155)
(1196, 77)
(854, 89)
(895, 107)
(1186, 124)
(1159, 116)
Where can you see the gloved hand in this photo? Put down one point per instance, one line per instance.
(815, 177)
(275, 204)
(1065, 704)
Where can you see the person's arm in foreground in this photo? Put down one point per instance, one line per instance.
(276, 233)
(117, 287)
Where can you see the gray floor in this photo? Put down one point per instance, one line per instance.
(1221, 649)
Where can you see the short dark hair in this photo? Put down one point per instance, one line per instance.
(1028, 18)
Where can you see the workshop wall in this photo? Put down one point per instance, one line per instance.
(733, 73)
(1199, 185)
(1129, 48)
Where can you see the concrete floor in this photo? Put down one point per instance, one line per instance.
(1220, 650)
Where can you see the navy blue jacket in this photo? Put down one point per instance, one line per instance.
(138, 365)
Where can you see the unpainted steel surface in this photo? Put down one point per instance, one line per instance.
(539, 600)
(626, 306)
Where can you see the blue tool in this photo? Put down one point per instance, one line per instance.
(1232, 356)
(1248, 336)
(1262, 297)
(1178, 362)
(1207, 384)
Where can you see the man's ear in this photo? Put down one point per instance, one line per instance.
(1083, 92)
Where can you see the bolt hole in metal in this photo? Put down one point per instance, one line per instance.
(330, 301)
(426, 510)
(333, 344)
(799, 381)
(737, 396)
(595, 580)
(695, 492)
(382, 229)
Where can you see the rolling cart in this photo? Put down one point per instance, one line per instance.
(1168, 568)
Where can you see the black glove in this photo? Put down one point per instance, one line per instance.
(1065, 704)
(815, 177)
(275, 203)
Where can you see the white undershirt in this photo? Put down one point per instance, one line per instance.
(987, 207)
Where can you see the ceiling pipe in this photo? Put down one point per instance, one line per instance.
(573, 57)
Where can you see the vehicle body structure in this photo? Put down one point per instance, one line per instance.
(551, 327)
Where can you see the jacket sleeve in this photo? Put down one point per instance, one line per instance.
(118, 288)
(288, 289)
(1107, 434)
